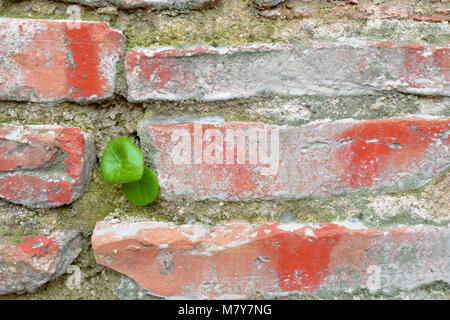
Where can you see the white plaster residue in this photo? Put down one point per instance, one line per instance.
(351, 224)
(196, 231)
(292, 226)
(15, 134)
(309, 232)
(129, 230)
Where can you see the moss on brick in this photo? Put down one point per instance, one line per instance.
(115, 118)
(233, 21)
(97, 282)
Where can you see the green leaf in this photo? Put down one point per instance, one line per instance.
(144, 191)
(122, 162)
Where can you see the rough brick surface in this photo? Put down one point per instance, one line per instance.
(405, 11)
(236, 258)
(57, 60)
(351, 68)
(266, 4)
(44, 166)
(35, 260)
(354, 10)
(317, 159)
(155, 4)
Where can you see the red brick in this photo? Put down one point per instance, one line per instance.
(351, 68)
(58, 60)
(396, 10)
(275, 13)
(28, 262)
(317, 159)
(155, 4)
(389, 11)
(236, 258)
(405, 11)
(266, 4)
(302, 12)
(44, 166)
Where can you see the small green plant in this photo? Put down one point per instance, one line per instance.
(123, 162)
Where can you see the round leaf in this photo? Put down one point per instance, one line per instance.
(122, 162)
(144, 191)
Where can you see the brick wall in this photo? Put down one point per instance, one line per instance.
(301, 147)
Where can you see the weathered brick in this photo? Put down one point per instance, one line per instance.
(302, 12)
(266, 4)
(29, 262)
(58, 60)
(44, 166)
(350, 68)
(155, 4)
(421, 11)
(275, 13)
(405, 11)
(395, 10)
(236, 258)
(202, 159)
